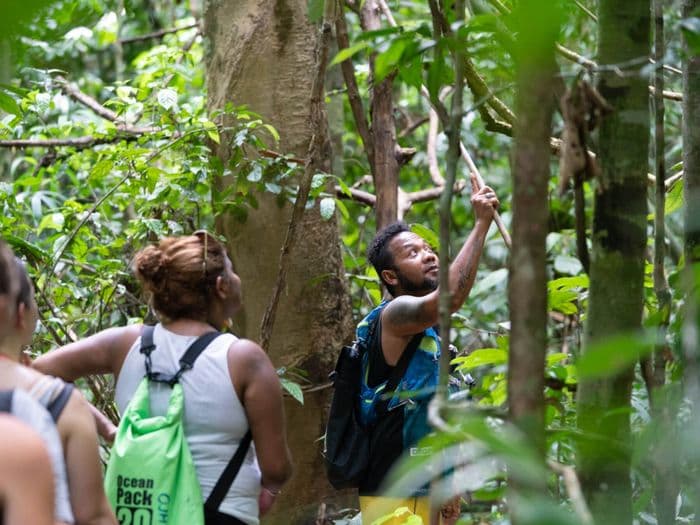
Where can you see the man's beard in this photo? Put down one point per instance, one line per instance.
(425, 286)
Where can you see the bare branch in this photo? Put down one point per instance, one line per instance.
(358, 111)
(360, 196)
(573, 489)
(155, 34)
(87, 141)
(404, 155)
(431, 148)
(413, 126)
(86, 100)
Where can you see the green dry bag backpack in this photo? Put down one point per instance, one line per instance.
(151, 478)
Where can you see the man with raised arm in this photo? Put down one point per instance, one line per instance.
(404, 324)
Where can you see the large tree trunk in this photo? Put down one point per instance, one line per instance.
(617, 265)
(262, 54)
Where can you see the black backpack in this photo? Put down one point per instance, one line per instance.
(348, 444)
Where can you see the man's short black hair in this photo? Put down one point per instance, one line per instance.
(379, 254)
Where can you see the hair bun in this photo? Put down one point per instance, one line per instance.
(151, 265)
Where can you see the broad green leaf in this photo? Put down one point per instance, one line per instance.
(674, 199)
(344, 187)
(580, 281)
(8, 104)
(481, 357)
(613, 355)
(273, 132)
(294, 389)
(348, 52)
(563, 301)
(427, 234)
(52, 221)
(387, 61)
(691, 31)
(327, 207)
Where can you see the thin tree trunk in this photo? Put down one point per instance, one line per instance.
(617, 263)
(262, 54)
(527, 284)
(666, 483)
(383, 130)
(691, 182)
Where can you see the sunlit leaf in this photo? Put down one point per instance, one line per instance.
(294, 389)
(327, 207)
(348, 52)
(167, 98)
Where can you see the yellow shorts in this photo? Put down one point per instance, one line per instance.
(375, 507)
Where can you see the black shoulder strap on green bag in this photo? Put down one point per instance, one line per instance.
(229, 474)
(398, 372)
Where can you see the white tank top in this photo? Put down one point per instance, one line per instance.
(214, 418)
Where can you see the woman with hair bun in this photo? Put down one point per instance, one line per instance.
(232, 387)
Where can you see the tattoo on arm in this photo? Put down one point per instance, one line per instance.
(404, 313)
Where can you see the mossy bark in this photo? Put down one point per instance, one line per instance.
(617, 264)
(262, 55)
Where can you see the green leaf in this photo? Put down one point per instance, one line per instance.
(481, 357)
(53, 221)
(273, 132)
(315, 10)
(8, 104)
(674, 199)
(387, 61)
(427, 234)
(294, 389)
(348, 52)
(614, 354)
(327, 207)
(691, 31)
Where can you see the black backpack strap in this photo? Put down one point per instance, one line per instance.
(229, 474)
(186, 361)
(147, 345)
(6, 400)
(56, 406)
(399, 370)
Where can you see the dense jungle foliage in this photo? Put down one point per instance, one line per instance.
(106, 144)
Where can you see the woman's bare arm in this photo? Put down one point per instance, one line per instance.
(260, 391)
(77, 428)
(101, 353)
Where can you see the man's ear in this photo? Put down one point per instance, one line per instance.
(389, 277)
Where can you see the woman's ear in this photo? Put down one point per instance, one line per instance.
(389, 277)
(21, 316)
(222, 287)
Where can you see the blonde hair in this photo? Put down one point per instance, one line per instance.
(180, 273)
